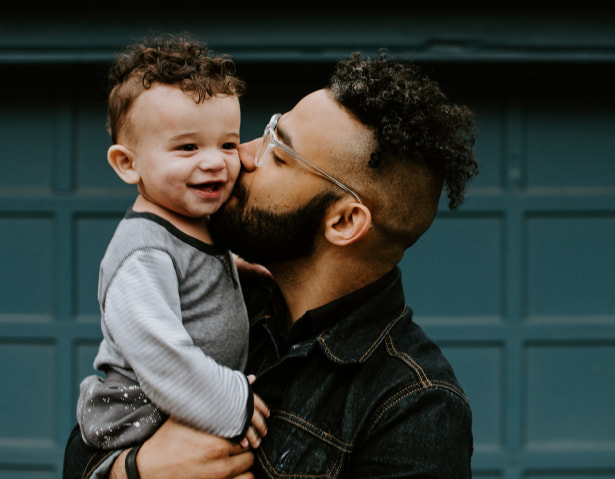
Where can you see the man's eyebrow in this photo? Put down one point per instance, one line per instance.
(284, 135)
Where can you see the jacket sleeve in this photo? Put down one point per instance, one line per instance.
(424, 434)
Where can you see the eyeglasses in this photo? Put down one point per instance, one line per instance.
(271, 140)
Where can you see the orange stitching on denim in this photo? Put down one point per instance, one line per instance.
(410, 390)
(408, 360)
(452, 388)
(303, 424)
(372, 346)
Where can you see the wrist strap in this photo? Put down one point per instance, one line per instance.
(130, 464)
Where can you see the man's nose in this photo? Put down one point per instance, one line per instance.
(247, 153)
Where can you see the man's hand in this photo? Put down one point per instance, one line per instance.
(176, 451)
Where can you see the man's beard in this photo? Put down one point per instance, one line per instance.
(263, 237)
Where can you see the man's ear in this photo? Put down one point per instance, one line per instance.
(121, 160)
(347, 222)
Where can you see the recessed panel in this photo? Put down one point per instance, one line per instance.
(28, 398)
(569, 138)
(569, 392)
(27, 264)
(571, 265)
(455, 269)
(27, 122)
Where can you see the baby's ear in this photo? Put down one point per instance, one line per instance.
(121, 160)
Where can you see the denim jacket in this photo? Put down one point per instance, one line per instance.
(357, 390)
(367, 396)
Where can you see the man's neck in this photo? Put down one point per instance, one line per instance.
(311, 283)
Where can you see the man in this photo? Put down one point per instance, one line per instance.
(330, 198)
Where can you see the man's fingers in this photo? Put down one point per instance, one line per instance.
(240, 464)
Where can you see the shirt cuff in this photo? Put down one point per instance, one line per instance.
(103, 470)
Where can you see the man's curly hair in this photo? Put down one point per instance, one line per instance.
(411, 119)
(171, 60)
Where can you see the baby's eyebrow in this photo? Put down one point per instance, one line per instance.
(183, 136)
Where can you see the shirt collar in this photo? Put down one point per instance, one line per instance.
(367, 313)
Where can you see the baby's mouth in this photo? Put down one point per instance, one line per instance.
(211, 186)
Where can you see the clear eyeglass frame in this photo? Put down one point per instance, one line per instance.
(271, 140)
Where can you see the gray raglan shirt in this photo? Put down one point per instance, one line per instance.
(174, 320)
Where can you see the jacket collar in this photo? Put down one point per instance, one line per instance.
(359, 322)
(348, 329)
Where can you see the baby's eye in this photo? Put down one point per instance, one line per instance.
(188, 147)
(229, 146)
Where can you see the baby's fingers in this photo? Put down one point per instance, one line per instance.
(252, 437)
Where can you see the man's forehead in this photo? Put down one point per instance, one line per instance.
(316, 113)
(315, 103)
(320, 118)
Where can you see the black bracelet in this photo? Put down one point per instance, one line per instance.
(130, 464)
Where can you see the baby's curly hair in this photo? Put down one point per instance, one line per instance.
(171, 60)
(411, 119)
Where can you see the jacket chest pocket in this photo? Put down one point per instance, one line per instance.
(295, 448)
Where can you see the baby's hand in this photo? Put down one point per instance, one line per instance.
(258, 427)
(245, 269)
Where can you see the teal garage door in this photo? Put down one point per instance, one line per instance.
(517, 286)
